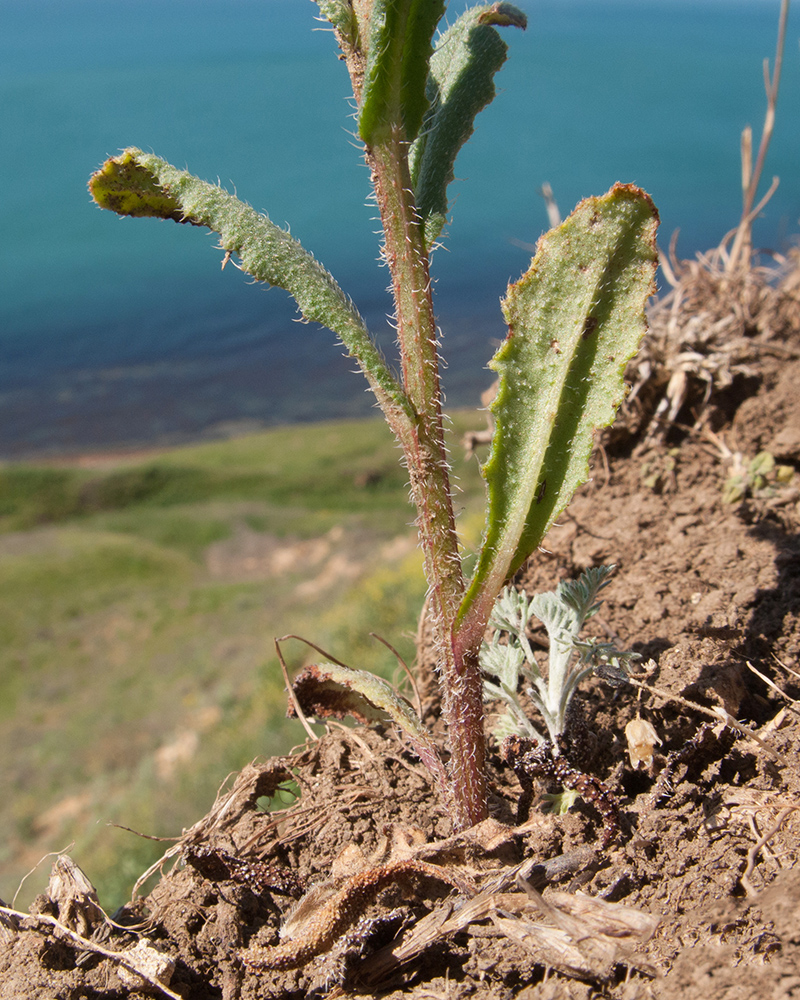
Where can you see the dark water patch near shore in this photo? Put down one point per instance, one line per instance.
(232, 387)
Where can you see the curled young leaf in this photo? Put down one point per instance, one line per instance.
(328, 691)
(504, 15)
(145, 186)
(460, 85)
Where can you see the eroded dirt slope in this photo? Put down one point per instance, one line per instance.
(697, 895)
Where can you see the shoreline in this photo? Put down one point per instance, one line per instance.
(86, 457)
(109, 456)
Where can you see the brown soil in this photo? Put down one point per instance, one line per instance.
(697, 895)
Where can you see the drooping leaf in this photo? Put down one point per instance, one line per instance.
(398, 57)
(145, 186)
(575, 319)
(460, 84)
(329, 690)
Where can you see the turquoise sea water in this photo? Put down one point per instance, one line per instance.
(117, 332)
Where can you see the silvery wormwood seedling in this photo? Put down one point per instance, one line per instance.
(512, 663)
(575, 319)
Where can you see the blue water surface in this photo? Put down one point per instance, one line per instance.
(119, 331)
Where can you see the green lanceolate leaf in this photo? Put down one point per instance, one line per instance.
(400, 47)
(142, 185)
(460, 84)
(332, 690)
(575, 319)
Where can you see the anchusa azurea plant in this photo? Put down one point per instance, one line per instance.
(575, 319)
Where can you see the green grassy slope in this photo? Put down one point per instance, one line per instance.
(138, 602)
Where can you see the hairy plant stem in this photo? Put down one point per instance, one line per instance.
(426, 458)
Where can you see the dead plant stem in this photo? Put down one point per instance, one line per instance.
(88, 945)
(742, 244)
(752, 854)
(718, 714)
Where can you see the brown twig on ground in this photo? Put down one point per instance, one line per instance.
(793, 705)
(591, 941)
(50, 854)
(718, 713)
(752, 854)
(292, 696)
(115, 956)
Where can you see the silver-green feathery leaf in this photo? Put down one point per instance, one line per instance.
(563, 612)
(582, 594)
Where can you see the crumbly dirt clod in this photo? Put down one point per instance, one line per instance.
(696, 898)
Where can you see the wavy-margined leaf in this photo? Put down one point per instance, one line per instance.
(399, 52)
(460, 84)
(575, 319)
(143, 185)
(333, 690)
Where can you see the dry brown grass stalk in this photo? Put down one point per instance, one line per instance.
(710, 329)
(724, 309)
